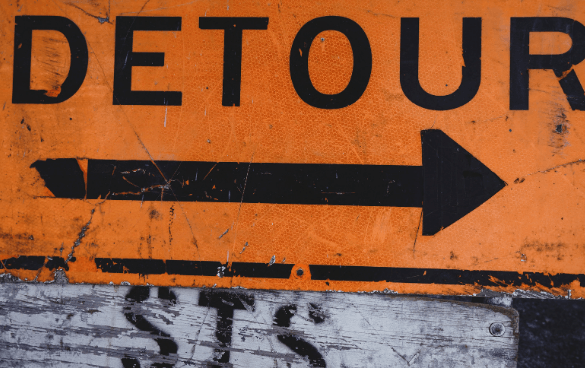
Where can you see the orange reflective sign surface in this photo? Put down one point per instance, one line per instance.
(421, 147)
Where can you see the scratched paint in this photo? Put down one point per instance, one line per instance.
(139, 326)
(527, 234)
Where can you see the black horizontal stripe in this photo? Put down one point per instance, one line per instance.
(23, 263)
(193, 268)
(363, 185)
(33, 263)
(318, 272)
(441, 276)
(357, 185)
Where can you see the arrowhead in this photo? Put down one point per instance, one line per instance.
(455, 182)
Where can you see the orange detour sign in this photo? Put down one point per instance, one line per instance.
(420, 147)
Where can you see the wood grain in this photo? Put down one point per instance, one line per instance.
(52, 325)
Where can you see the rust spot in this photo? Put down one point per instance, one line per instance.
(154, 215)
(559, 126)
(543, 247)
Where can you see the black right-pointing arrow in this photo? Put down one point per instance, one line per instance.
(450, 184)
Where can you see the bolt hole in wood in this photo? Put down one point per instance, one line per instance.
(49, 325)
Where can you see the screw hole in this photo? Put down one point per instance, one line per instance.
(497, 329)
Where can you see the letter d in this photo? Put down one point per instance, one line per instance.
(21, 92)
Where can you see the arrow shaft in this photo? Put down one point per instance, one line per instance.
(317, 184)
(452, 184)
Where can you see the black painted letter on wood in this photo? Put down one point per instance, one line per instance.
(283, 317)
(225, 303)
(167, 345)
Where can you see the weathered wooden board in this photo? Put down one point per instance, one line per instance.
(52, 325)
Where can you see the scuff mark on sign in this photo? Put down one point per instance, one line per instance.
(408, 361)
(81, 235)
(171, 219)
(244, 248)
(576, 162)
(56, 263)
(559, 128)
(60, 277)
(101, 20)
(25, 124)
(225, 232)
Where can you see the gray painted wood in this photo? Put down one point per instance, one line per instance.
(52, 325)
